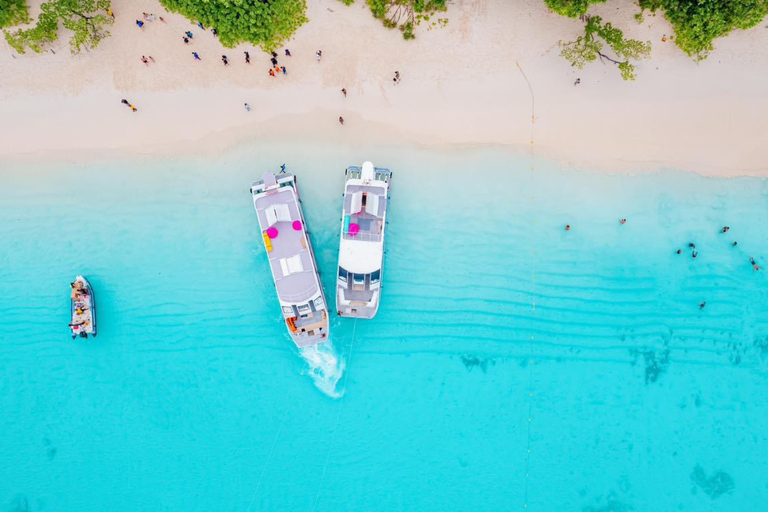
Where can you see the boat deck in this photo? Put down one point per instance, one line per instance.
(289, 259)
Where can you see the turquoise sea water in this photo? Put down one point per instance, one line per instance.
(512, 365)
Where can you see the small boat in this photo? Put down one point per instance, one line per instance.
(361, 249)
(294, 270)
(83, 308)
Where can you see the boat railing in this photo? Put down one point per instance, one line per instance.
(363, 237)
(297, 297)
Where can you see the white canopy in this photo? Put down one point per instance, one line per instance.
(277, 212)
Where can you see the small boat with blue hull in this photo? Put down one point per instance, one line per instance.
(82, 308)
(361, 249)
(291, 260)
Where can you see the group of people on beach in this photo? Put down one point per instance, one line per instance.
(148, 18)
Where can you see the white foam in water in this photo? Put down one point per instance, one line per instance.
(325, 367)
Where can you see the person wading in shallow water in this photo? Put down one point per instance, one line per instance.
(702, 305)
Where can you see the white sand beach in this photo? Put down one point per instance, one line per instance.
(461, 85)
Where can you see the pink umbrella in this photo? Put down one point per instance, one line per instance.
(297, 225)
(354, 229)
(272, 232)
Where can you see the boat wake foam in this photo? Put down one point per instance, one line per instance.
(325, 367)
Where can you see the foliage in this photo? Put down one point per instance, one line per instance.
(13, 12)
(263, 23)
(698, 23)
(405, 14)
(571, 8)
(86, 19)
(589, 47)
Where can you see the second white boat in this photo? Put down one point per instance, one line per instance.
(361, 249)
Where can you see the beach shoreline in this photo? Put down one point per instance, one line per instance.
(463, 86)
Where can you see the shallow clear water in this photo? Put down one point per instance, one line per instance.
(512, 363)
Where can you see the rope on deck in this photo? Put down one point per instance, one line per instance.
(338, 417)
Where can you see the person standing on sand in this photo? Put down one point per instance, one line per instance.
(577, 82)
(140, 24)
(215, 32)
(344, 92)
(247, 107)
(319, 55)
(282, 68)
(271, 72)
(189, 34)
(247, 57)
(341, 120)
(199, 24)
(144, 60)
(273, 61)
(225, 60)
(185, 39)
(197, 57)
(287, 52)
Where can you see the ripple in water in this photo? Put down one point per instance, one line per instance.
(325, 367)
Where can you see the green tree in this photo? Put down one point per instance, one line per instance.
(86, 19)
(404, 14)
(698, 23)
(13, 12)
(589, 47)
(571, 8)
(263, 23)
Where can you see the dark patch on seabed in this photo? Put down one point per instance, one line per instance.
(656, 363)
(612, 504)
(714, 485)
(19, 504)
(472, 362)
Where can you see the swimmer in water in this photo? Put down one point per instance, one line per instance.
(725, 229)
(567, 227)
(623, 221)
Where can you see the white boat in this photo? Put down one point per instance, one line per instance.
(294, 271)
(82, 305)
(361, 249)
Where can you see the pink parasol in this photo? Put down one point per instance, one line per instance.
(354, 229)
(272, 232)
(297, 225)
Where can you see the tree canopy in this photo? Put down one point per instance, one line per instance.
(404, 15)
(589, 47)
(265, 24)
(13, 12)
(571, 8)
(86, 19)
(697, 24)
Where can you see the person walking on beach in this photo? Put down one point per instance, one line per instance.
(140, 24)
(319, 55)
(271, 72)
(215, 32)
(199, 24)
(144, 60)
(189, 34)
(344, 92)
(397, 77)
(577, 82)
(247, 107)
(273, 61)
(225, 60)
(247, 57)
(129, 105)
(185, 39)
(110, 13)
(287, 52)
(197, 57)
(341, 120)
(282, 68)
